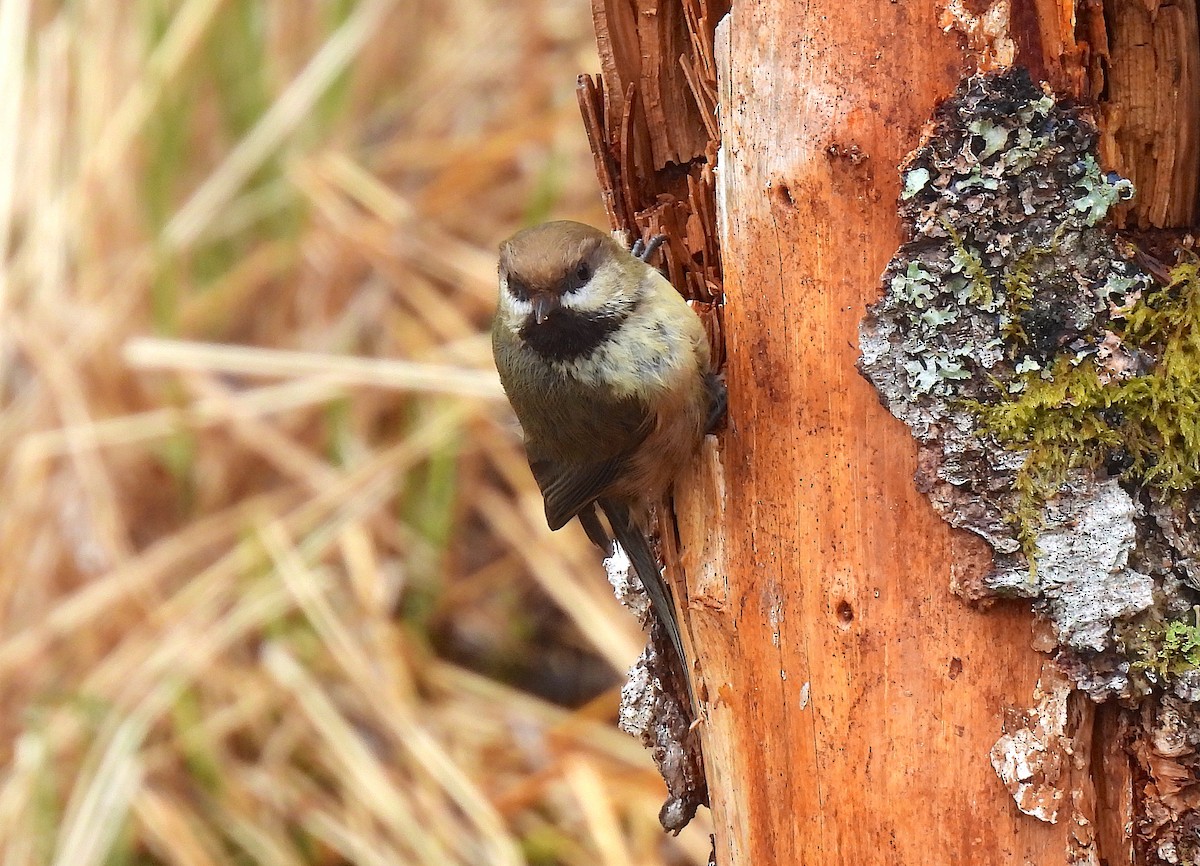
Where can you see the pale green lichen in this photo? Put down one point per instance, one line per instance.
(969, 274)
(914, 182)
(1099, 192)
(931, 293)
(927, 367)
(994, 137)
(915, 286)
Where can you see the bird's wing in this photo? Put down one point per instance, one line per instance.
(569, 486)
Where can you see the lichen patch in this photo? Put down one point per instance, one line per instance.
(1052, 385)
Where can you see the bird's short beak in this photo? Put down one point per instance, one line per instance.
(543, 305)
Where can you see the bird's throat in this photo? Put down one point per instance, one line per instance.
(567, 335)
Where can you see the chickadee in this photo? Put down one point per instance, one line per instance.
(607, 369)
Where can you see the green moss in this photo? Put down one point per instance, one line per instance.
(1019, 285)
(1166, 404)
(967, 264)
(1165, 649)
(1079, 414)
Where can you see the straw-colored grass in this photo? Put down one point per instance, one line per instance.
(275, 586)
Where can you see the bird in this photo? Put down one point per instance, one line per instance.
(607, 369)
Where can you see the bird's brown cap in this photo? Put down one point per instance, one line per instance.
(543, 256)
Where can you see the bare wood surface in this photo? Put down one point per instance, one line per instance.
(850, 700)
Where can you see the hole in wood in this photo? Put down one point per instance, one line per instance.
(781, 194)
(845, 612)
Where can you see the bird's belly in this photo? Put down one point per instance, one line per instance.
(665, 451)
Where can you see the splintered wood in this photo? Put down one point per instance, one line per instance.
(651, 119)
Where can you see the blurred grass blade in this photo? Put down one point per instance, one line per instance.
(279, 121)
(150, 353)
(186, 31)
(14, 31)
(215, 543)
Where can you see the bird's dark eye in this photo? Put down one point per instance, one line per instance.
(575, 280)
(518, 289)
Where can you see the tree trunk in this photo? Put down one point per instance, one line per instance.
(849, 700)
(852, 700)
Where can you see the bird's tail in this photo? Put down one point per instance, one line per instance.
(630, 536)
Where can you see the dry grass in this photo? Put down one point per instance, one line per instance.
(275, 585)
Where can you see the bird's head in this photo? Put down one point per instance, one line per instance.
(565, 276)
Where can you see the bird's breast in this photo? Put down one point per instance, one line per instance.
(641, 357)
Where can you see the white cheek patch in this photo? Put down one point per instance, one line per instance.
(607, 291)
(517, 309)
(587, 298)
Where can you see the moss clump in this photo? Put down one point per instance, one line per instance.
(1165, 650)
(1100, 409)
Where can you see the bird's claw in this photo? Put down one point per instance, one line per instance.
(644, 249)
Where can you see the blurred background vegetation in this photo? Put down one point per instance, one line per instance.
(275, 586)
